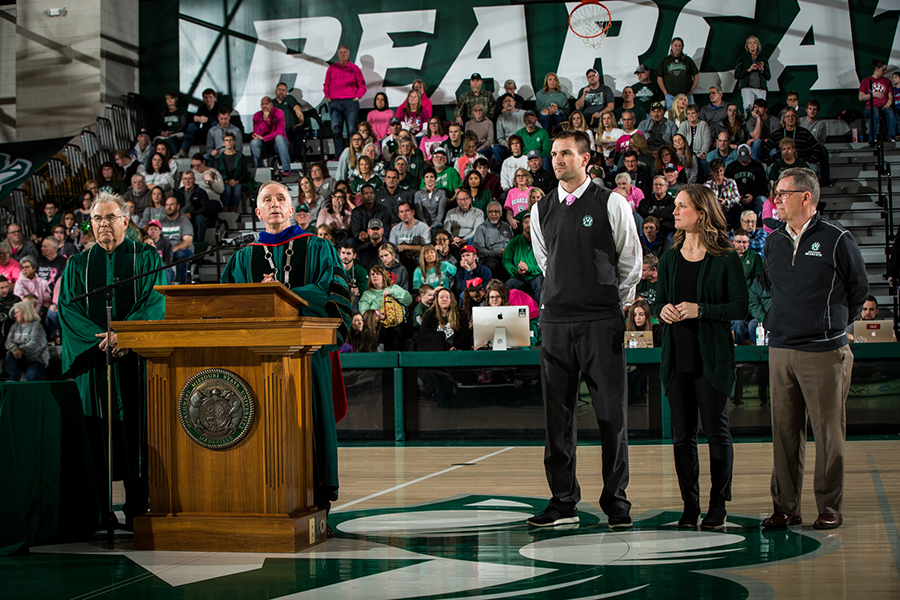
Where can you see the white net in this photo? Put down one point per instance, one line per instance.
(591, 23)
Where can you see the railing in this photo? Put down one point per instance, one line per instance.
(885, 201)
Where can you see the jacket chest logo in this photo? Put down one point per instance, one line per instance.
(587, 221)
(814, 250)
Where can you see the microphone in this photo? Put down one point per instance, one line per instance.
(243, 240)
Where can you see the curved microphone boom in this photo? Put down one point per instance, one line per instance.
(243, 240)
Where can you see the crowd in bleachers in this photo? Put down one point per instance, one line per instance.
(429, 208)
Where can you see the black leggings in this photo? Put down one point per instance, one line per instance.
(687, 393)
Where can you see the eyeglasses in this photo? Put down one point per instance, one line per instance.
(8, 231)
(784, 193)
(97, 220)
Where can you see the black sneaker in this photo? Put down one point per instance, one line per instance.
(552, 516)
(714, 519)
(619, 518)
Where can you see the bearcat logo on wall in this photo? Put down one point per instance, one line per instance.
(807, 41)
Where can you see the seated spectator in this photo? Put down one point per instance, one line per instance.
(200, 123)
(426, 300)
(696, 132)
(138, 193)
(632, 194)
(30, 283)
(552, 103)
(431, 202)
(71, 231)
(733, 125)
(576, 122)
(431, 270)
(390, 144)
(667, 156)
(363, 214)
(725, 190)
(447, 178)
(444, 316)
(127, 166)
(163, 246)
(174, 123)
(513, 163)
(535, 138)
(652, 241)
(412, 113)
(810, 150)
(47, 221)
(687, 158)
(7, 301)
(142, 148)
(497, 294)
(677, 112)
(408, 181)
(607, 136)
(470, 270)
(657, 130)
(877, 93)
(509, 121)
(380, 116)
(594, 98)
(84, 213)
(179, 231)
(753, 268)
(348, 158)
(269, 136)
(196, 205)
(482, 129)
(371, 150)
(520, 263)
(714, 112)
(760, 127)
(541, 178)
(360, 338)
(50, 263)
(427, 107)
(640, 319)
(442, 244)
(770, 216)
(646, 288)
(533, 196)
(365, 176)
(640, 175)
(481, 196)
(233, 167)
(433, 138)
(336, 215)
(473, 295)
(491, 180)
(466, 103)
(323, 183)
(517, 197)
(463, 220)
(389, 258)
(751, 180)
(629, 104)
(793, 101)
(9, 268)
(661, 204)
(466, 162)
(324, 232)
(813, 124)
(410, 235)
(629, 126)
(869, 313)
(723, 150)
(491, 238)
(364, 128)
(215, 139)
(157, 173)
(387, 299)
(789, 160)
(455, 146)
(157, 208)
(110, 179)
(26, 345)
(367, 251)
(756, 235)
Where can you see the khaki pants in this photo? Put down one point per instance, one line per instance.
(814, 384)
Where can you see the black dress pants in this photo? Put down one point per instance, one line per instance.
(687, 394)
(593, 350)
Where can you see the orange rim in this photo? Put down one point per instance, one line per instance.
(587, 3)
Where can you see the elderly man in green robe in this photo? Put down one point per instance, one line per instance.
(84, 345)
(312, 269)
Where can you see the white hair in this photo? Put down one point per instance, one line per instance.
(105, 197)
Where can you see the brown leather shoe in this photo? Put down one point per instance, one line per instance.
(828, 521)
(780, 520)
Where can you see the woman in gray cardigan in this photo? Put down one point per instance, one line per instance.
(26, 344)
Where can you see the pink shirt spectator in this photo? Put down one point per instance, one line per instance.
(428, 144)
(634, 197)
(11, 271)
(344, 82)
(427, 109)
(769, 211)
(520, 298)
(517, 200)
(379, 120)
(36, 286)
(624, 140)
(271, 128)
(414, 124)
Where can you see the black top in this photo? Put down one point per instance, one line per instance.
(686, 333)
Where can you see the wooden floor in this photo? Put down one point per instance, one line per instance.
(863, 566)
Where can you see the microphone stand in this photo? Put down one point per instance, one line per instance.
(111, 522)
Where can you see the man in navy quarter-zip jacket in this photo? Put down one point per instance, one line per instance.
(818, 281)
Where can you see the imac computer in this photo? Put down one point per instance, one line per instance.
(501, 327)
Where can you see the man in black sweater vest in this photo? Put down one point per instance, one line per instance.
(585, 241)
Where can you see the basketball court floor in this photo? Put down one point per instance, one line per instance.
(448, 522)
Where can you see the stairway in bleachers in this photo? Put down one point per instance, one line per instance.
(851, 203)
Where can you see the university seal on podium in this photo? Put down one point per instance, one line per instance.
(216, 408)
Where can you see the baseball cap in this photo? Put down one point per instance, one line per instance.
(143, 131)
(439, 151)
(468, 248)
(743, 151)
(534, 154)
(375, 224)
(303, 206)
(475, 76)
(670, 167)
(591, 70)
(530, 112)
(641, 68)
(658, 105)
(155, 222)
(394, 121)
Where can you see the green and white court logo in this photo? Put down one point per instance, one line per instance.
(587, 221)
(216, 408)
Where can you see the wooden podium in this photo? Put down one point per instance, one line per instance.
(256, 495)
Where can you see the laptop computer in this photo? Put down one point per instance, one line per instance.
(873, 331)
(638, 339)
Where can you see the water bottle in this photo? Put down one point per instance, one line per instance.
(761, 336)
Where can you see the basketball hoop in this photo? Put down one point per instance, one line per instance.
(590, 21)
